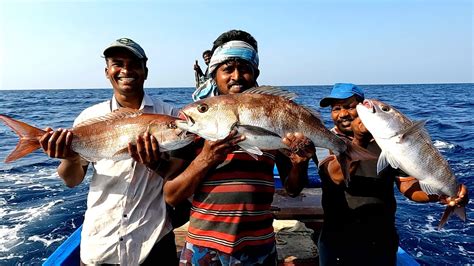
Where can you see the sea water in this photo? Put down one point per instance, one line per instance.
(38, 212)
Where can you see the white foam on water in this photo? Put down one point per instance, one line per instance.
(29, 214)
(10, 256)
(10, 235)
(430, 225)
(33, 177)
(47, 241)
(442, 145)
(465, 252)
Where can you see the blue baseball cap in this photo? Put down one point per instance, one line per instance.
(342, 91)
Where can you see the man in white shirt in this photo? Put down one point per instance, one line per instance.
(126, 221)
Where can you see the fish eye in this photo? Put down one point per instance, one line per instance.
(202, 108)
(172, 125)
(385, 108)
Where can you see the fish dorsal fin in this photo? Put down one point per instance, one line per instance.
(117, 114)
(417, 126)
(270, 90)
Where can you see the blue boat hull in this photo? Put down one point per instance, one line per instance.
(67, 253)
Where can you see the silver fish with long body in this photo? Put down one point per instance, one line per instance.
(406, 145)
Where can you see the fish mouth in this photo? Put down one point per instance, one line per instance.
(185, 135)
(369, 105)
(189, 119)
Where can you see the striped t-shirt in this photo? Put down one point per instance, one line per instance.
(231, 208)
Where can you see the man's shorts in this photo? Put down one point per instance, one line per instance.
(197, 255)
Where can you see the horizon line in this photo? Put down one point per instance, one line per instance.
(189, 87)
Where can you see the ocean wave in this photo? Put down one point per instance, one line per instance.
(16, 221)
(31, 183)
(9, 237)
(24, 215)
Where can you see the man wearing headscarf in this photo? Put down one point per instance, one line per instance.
(232, 48)
(231, 221)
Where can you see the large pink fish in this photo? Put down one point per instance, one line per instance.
(105, 137)
(264, 115)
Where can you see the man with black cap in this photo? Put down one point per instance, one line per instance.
(126, 217)
(359, 217)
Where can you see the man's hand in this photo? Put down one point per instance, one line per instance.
(362, 136)
(146, 151)
(301, 148)
(57, 144)
(460, 200)
(215, 152)
(196, 66)
(198, 69)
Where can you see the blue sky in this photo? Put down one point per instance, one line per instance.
(58, 44)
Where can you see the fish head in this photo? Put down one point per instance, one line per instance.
(211, 118)
(168, 135)
(381, 119)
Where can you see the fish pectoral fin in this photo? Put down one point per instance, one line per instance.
(417, 126)
(427, 188)
(386, 159)
(223, 164)
(254, 130)
(121, 152)
(251, 150)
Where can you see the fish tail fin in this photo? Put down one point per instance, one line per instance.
(447, 212)
(353, 153)
(459, 211)
(29, 138)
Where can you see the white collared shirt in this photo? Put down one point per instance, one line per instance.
(126, 212)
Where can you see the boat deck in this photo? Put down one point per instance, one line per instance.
(297, 224)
